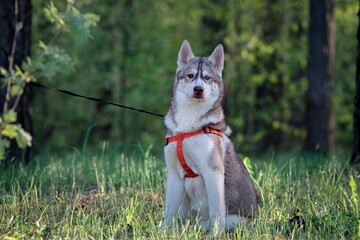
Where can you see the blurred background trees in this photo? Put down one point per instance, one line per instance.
(132, 60)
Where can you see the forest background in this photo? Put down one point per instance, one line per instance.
(131, 59)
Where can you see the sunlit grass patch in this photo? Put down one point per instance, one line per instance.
(116, 195)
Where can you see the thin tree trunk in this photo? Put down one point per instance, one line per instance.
(318, 118)
(355, 159)
(8, 21)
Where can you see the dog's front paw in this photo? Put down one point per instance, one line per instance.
(216, 229)
(214, 232)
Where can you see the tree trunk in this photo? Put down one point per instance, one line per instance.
(318, 117)
(355, 159)
(8, 21)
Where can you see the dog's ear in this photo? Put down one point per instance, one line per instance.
(185, 54)
(217, 58)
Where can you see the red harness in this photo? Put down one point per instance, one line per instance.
(179, 143)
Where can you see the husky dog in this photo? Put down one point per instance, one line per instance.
(205, 178)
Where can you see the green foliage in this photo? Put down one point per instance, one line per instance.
(131, 59)
(355, 197)
(48, 62)
(344, 70)
(249, 166)
(107, 193)
(54, 61)
(71, 20)
(14, 80)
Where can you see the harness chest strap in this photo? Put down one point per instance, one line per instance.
(179, 149)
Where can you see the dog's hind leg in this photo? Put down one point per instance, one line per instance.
(184, 210)
(205, 224)
(233, 220)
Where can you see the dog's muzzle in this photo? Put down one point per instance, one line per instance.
(198, 92)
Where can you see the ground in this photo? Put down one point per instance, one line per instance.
(116, 194)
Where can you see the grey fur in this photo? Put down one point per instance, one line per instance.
(240, 194)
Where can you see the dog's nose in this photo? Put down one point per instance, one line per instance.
(198, 90)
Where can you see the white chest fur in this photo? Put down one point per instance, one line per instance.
(199, 155)
(191, 114)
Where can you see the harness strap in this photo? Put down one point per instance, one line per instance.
(179, 149)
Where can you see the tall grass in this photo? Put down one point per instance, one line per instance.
(114, 195)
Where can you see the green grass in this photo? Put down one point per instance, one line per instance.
(112, 195)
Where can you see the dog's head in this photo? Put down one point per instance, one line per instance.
(199, 78)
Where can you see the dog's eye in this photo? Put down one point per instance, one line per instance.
(207, 78)
(190, 75)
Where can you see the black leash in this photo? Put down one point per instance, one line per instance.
(39, 85)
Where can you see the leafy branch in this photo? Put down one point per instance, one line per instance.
(49, 61)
